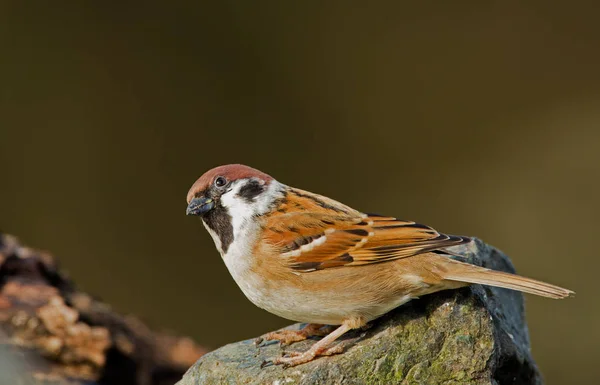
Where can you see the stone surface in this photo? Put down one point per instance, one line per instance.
(475, 335)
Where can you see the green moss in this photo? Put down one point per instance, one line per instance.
(388, 369)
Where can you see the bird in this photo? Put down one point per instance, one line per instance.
(311, 259)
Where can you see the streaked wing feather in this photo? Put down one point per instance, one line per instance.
(328, 234)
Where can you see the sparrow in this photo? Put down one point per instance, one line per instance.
(311, 259)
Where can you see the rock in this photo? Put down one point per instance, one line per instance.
(475, 335)
(52, 333)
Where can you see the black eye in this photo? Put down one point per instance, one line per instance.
(220, 181)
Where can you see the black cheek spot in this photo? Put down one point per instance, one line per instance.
(251, 190)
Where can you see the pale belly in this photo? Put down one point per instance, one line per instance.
(320, 309)
(316, 298)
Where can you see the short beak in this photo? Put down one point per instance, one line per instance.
(200, 206)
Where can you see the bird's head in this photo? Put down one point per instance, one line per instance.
(229, 187)
(229, 199)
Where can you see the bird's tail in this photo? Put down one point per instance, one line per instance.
(464, 272)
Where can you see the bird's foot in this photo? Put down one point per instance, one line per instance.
(291, 358)
(287, 337)
(320, 348)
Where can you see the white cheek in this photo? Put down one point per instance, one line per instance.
(243, 212)
(239, 210)
(245, 231)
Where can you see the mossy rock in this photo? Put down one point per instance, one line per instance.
(474, 335)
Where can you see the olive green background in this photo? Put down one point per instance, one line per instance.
(477, 118)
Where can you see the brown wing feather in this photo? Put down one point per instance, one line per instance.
(314, 232)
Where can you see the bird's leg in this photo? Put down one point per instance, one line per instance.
(321, 348)
(286, 337)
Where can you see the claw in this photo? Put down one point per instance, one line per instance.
(266, 363)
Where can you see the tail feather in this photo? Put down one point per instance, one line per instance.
(474, 274)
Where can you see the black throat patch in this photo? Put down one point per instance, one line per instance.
(219, 221)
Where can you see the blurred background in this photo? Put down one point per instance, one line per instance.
(477, 118)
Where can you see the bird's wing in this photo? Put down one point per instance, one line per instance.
(313, 232)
